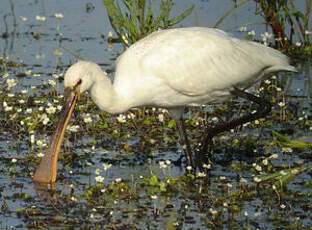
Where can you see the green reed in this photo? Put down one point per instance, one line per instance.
(138, 19)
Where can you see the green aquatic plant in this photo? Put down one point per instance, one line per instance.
(282, 177)
(235, 6)
(283, 141)
(277, 13)
(138, 20)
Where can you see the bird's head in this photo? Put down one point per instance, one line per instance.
(81, 75)
(78, 79)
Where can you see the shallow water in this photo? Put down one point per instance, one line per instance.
(135, 147)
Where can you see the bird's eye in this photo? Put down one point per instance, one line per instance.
(78, 83)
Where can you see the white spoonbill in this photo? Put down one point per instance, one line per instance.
(170, 69)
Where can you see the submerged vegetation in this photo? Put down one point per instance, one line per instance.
(118, 172)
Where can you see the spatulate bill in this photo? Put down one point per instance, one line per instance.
(47, 170)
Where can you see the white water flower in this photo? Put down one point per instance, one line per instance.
(44, 118)
(41, 143)
(21, 101)
(51, 82)
(32, 139)
(162, 165)
(121, 118)
(287, 150)
(56, 76)
(252, 33)
(40, 155)
(39, 56)
(24, 19)
(124, 38)
(87, 118)
(73, 128)
(58, 52)
(258, 168)
(131, 115)
(274, 156)
(40, 18)
(281, 104)
(298, 44)
(51, 110)
(5, 75)
(243, 29)
(213, 211)
(161, 117)
(11, 82)
(118, 180)
(97, 171)
(207, 166)
(110, 35)
(106, 166)
(99, 179)
(29, 110)
(28, 72)
(266, 36)
(8, 108)
(59, 15)
(265, 162)
(283, 173)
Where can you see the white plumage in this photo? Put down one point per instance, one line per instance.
(176, 67)
(170, 69)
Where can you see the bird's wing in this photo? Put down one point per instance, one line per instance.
(202, 61)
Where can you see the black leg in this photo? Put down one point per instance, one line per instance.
(185, 143)
(210, 132)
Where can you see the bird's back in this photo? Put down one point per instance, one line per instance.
(194, 65)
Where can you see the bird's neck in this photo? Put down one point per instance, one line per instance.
(106, 97)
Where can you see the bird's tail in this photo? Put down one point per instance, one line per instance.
(279, 68)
